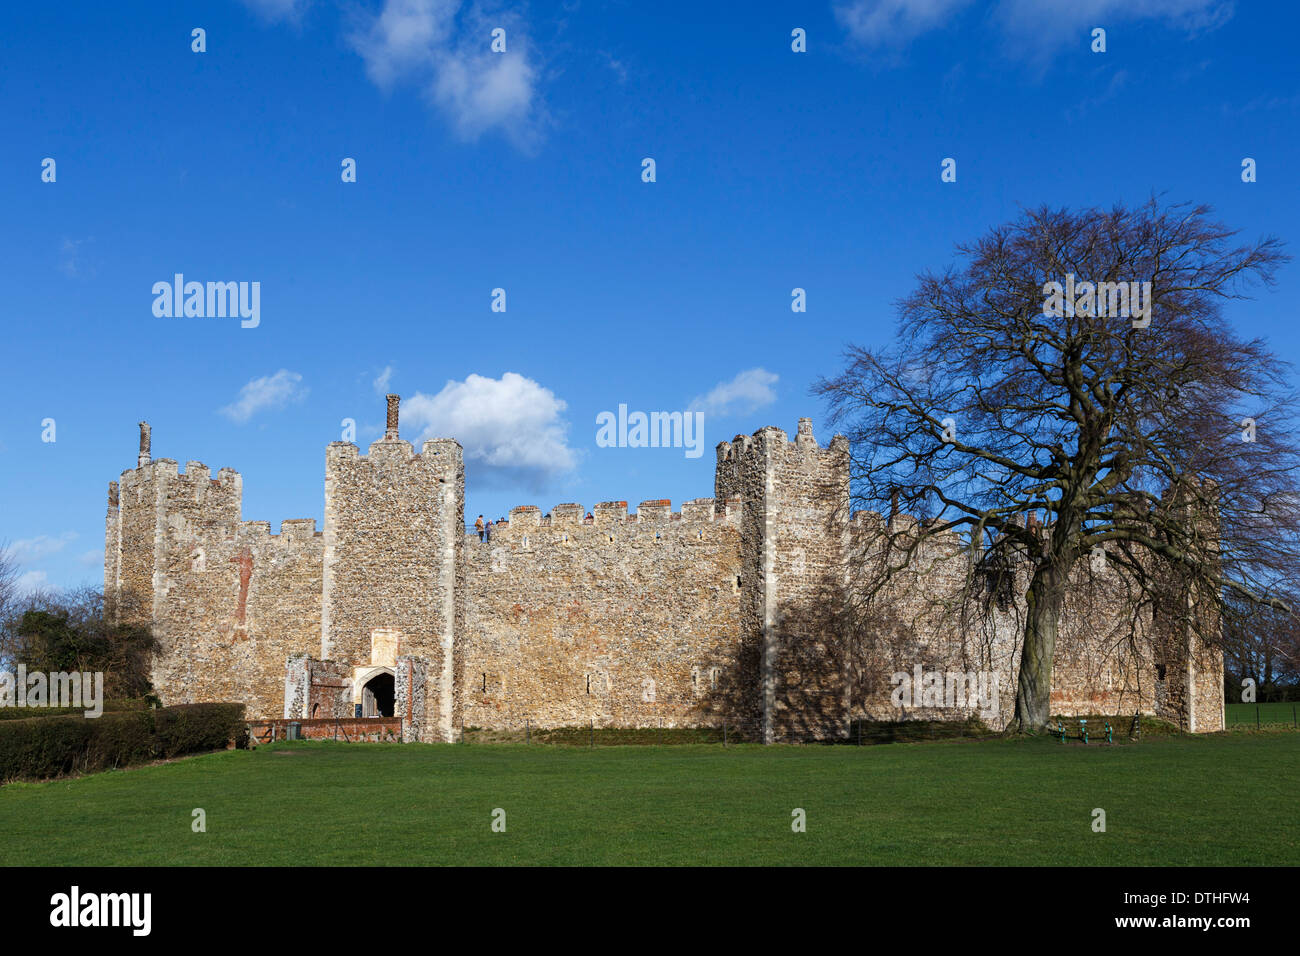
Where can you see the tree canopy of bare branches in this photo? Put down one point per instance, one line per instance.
(1052, 419)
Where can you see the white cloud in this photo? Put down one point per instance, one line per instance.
(404, 38)
(893, 22)
(748, 391)
(447, 51)
(268, 392)
(92, 557)
(1033, 28)
(511, 428)
(382, 380)
(41, 546)
(32, 581)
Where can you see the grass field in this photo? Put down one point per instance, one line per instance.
(1226, 799)
(1238, 715)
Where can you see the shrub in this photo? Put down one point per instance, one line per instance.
(190, 728)
(42, 747)
(119, 740)
(37, 748)
(30, 713)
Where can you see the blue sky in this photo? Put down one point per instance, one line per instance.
(523, 171)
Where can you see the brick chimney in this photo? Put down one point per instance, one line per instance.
(144, 456)
(393, 402)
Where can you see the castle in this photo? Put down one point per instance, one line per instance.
(737, 608)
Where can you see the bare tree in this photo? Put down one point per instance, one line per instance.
(1263, 645)
(1129, 416)
(8, 593)
(8, 577)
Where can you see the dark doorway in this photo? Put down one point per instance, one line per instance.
(377, 696)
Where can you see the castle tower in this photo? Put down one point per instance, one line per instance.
(794, 541)
(394, 534)
(158, 520)
(1188, 623)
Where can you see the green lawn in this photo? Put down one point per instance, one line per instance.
(1238, 715)
(1225, 799)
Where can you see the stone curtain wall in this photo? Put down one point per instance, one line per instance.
(1107, 648)
(741, 606)
(924, 616)
(394, 529)
(627, 620)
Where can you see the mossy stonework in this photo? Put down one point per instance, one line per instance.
(743, 607)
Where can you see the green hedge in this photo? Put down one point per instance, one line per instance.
(42, 747)
(193, 728)
(31, 713)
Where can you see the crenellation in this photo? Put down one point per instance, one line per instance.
(525, 516)
(656, 509)
(566, 514)
(699, 509)
(298, 529)
(609, 512)
(342, 449)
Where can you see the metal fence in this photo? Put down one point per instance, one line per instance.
(726, 733)
(1262, 715)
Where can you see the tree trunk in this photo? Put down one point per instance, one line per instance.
(1044, 600)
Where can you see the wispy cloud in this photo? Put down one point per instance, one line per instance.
(749, 391)
(41, 546)
(1032, 29)
(72, 260)
(382, 380)
(274, 11)
(878, 23)
(30, 581)
(512, 428)
(264, 394)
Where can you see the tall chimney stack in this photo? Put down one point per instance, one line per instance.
(393, 402)
(144, 456)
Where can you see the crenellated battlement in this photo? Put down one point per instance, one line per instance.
(772, 439)
(439, 452)
(612, 513)
(292, 531)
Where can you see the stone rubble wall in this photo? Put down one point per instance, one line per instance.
(394, 529)
(624, 620)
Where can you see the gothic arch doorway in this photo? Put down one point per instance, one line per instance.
(379, 695)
